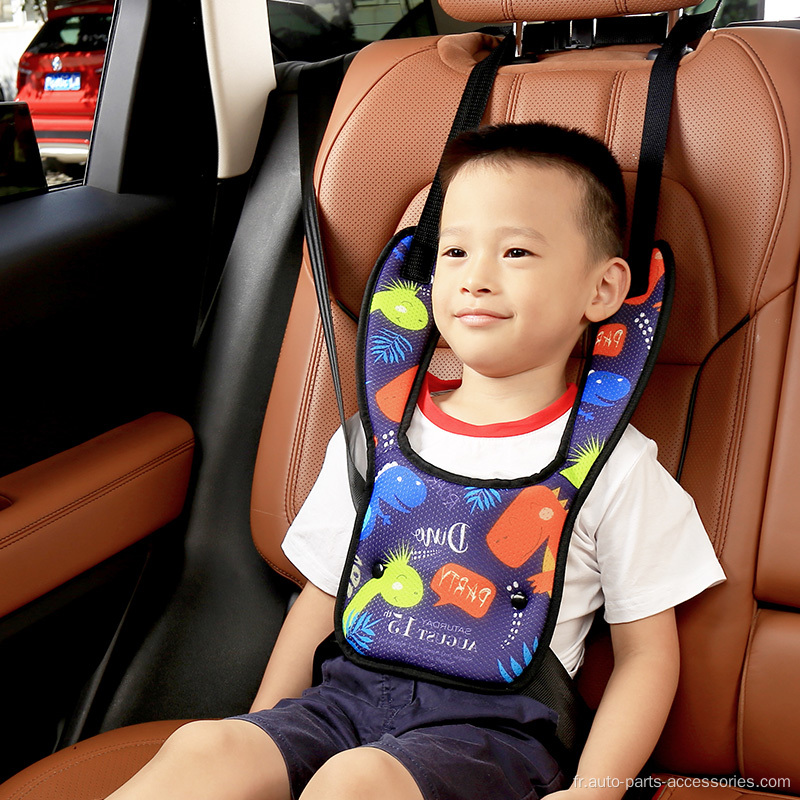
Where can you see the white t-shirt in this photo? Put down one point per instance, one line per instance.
(638, 545)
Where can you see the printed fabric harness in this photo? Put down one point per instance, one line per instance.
(451, 578)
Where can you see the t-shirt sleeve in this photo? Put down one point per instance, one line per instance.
(319, 537)
(653, 551)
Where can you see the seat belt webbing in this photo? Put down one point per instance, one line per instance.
(318, 86)
(658, 109)
(422, 254)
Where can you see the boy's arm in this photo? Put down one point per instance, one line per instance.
(634, 706)
(288, 672)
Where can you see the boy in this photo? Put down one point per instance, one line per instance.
(528, 257)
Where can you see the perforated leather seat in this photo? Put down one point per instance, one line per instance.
(91, 769)
(720, 402)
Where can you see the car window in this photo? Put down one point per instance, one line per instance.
(754, 10)
(53, 61)
(313, 31)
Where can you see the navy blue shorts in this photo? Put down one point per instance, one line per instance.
(456, 744)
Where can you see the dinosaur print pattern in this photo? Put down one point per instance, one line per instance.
(399, 303)
(397, 582)
(454, 577)
(603, 389)
(396, 487)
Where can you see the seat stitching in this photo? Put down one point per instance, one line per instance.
(83, 759)
(299, 435)
(613, 108)
(781, 119)
(513, 97)
(724, 504)
(741, 706)
(96, 494)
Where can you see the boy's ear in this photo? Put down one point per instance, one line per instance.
(610, 289)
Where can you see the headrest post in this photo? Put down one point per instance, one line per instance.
(519, 27)
(672, 19)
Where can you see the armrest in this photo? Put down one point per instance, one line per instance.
(62, 516)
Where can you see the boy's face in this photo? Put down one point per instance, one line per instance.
(513, 278)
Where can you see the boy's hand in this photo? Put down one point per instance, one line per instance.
(633, 709)
(289, 669)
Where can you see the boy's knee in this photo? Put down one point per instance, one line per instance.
(202, 739)
(364, 772)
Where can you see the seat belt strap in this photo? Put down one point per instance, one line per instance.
(317, 89)
(658, 109)
(422, 254)
(555, 688)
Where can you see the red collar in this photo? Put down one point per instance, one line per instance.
(498, 429)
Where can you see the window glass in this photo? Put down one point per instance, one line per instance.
(20, 166)
(55, 65)
(319, 29)
(738, 11)
(781, 9)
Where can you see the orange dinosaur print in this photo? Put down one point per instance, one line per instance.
(392, 398)
(534, 517)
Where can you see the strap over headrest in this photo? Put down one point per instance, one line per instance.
(538, 10)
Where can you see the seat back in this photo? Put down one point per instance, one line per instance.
(723, 389)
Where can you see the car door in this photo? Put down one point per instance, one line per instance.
(100, 287)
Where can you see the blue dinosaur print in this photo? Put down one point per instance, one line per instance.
(603, 389)
(397, 487)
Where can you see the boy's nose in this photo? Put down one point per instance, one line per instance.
(477, 279)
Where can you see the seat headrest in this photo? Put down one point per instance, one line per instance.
(538, 10)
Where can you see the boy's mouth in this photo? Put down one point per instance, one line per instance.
(478, 317)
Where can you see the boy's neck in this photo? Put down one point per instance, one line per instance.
(485, 400)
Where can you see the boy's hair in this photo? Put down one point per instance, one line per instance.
(602, 214)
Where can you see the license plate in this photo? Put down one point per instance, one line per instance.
(62, 82)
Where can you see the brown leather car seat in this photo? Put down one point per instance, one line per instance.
(719, 404)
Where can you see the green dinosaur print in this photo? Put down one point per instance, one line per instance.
(399, 303)
(400, 585)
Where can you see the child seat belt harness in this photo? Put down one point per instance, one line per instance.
(452, 578)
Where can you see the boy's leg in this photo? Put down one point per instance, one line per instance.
(214, 759)
(364, 772)
(449, 762)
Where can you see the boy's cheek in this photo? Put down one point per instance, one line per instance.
(436, 306)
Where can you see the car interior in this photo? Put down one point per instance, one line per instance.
(168, 397)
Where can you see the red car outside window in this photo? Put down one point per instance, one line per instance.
(59, 78)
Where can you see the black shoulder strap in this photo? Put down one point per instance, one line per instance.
(654, 142)
(422, 253)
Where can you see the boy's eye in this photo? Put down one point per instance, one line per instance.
(517, 252)
(454, 252)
